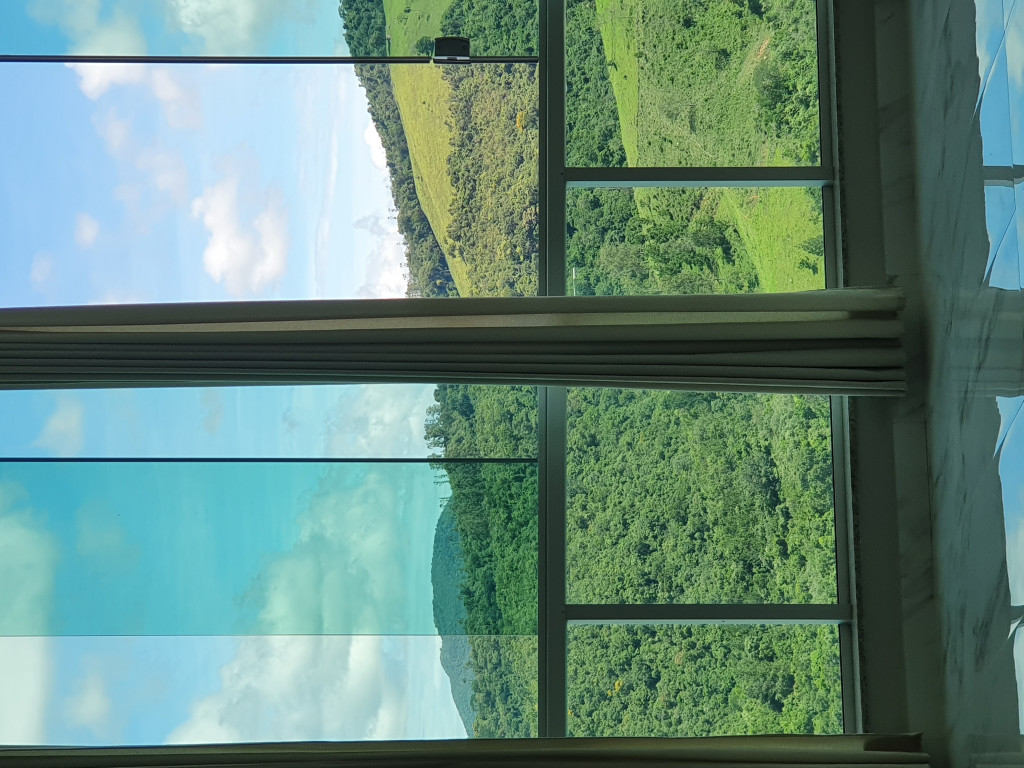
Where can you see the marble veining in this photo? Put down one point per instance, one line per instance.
(968, 60)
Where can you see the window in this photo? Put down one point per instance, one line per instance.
(551, 560)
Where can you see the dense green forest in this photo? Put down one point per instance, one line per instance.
(673, 496)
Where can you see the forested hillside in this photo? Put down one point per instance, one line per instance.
(673, 496)
(365, 33)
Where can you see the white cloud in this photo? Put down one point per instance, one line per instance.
(95, 79)
(42, 270)
(63, 432)
(377, 154)
(236, 27)
(213, 410)
(290, 688)
(342, 586)
(89, 706)
(26, 674)
(166, 171)
(115, 132)
(28, 560)
(384, 267)
(382, 420)
(90, 32)
(247, 257)
(87, 229)
(341, 576)
(180, 103)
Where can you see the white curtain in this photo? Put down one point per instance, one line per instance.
(832, 342)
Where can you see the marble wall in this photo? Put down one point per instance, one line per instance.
(971, 342)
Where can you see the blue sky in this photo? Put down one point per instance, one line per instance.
(205, 183)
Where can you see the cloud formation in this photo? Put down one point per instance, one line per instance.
(89, 32)
(291, 688)
(64, 431)
(236, 27)
(28, 561)
(179, 102)
(26, 675)
(41, 271)
(385, 274)
(247, 257)
(325, 671)
(343, 575)
(89, 706)
(95, 79)
(166, 171)
(382, 420)
(87, 229)
(377, 153)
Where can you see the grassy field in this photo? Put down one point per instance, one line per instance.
(410, 20)
(423, 97)
(774, 224)
(686, 92)
(618, 23)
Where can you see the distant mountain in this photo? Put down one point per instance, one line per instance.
(447, 575)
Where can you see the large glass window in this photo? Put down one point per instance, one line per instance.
(418, 561)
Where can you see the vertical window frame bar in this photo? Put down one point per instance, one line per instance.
(552, 630)
(552, 627)
(552, 194)
(842, 489)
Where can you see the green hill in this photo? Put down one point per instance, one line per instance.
(447, 575)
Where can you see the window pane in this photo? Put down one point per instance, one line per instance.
(652, 240)
(264, 27)
(402, 421)
(691, 83)
(274, 548)
(151, 183)
(423, 573)
(703, 680)
(699, 497)
(111, 691)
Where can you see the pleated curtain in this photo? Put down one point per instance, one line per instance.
(717, 752)
(832, 342)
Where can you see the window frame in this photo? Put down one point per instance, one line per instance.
(555, 614)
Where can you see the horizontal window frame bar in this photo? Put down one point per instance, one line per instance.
(1002, 175)
(783, 176)
(68, 59)
(701, 613)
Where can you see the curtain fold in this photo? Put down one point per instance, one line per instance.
(719, 752)
(832, 342)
